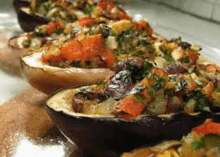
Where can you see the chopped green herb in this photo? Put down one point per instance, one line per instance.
(137, 89)
(88, 9)
(26, 43)
(119, 51)
(85, 97)
(168, 58)
(178, 39)
(59, 31)
(172, 78)
(163, 49)
(50, 62)
(217, 90)
(141, 99)
(138, 53)
(184, 60)
(181, 85)
(146, 68)
(61, 64)
(203, 103)
(167, 92)
(126, 35)
(197, 145)
(158, 84)
(151, 92)
(47, 6)
(89, 32)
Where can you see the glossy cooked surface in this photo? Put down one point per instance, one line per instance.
(27, 130)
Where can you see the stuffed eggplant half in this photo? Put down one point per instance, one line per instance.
(139, 104)
(40, 12)
(204, 140)
(86, 45)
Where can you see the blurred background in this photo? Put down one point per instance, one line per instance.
(209, 9)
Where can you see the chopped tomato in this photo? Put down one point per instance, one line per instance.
(143, 25)
(191, 86)
(105, 5)
(108, 57)
(208, 128)
(54, 26)
(72, 50)
(159, 72)
(92, 46)
(193, 56)
(148, 96)
(86, 21)
(54, 59)
(124, 16)
(130, 106)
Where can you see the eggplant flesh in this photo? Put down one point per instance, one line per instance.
(110, 136)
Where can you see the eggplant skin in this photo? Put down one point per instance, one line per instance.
(29, 22)
(17, 4)
(111, 136)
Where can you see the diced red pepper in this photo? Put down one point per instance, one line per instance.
(72, 50)
(53, 58)
(124, 16)
(108, 57)
(54, 26)
(105, 5)
(130, 106)
(208, 128)
(86, 21)
(193, 56)
(143, 25)
(92, 46)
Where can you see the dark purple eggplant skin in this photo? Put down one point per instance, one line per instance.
(17, 4)
(111, 136)
(29, 22)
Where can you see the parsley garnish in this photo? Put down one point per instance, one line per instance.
(197, 145)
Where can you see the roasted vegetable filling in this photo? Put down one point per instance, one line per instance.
(138, 87)
(203, 141)
(63, 12)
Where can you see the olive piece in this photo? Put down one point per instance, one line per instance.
(175, 69)
(185, 45)
(79, 98)
(132, 64)
(119, 85)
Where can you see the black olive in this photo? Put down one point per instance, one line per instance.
(175, 39)
(119, 85)
(132, 64)
(75, 63)
(81, 4)
(88, 63)
(214, 82)
(105, 31)
(185, 45)
(79, 98)
(175, 69)
(90, 95)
